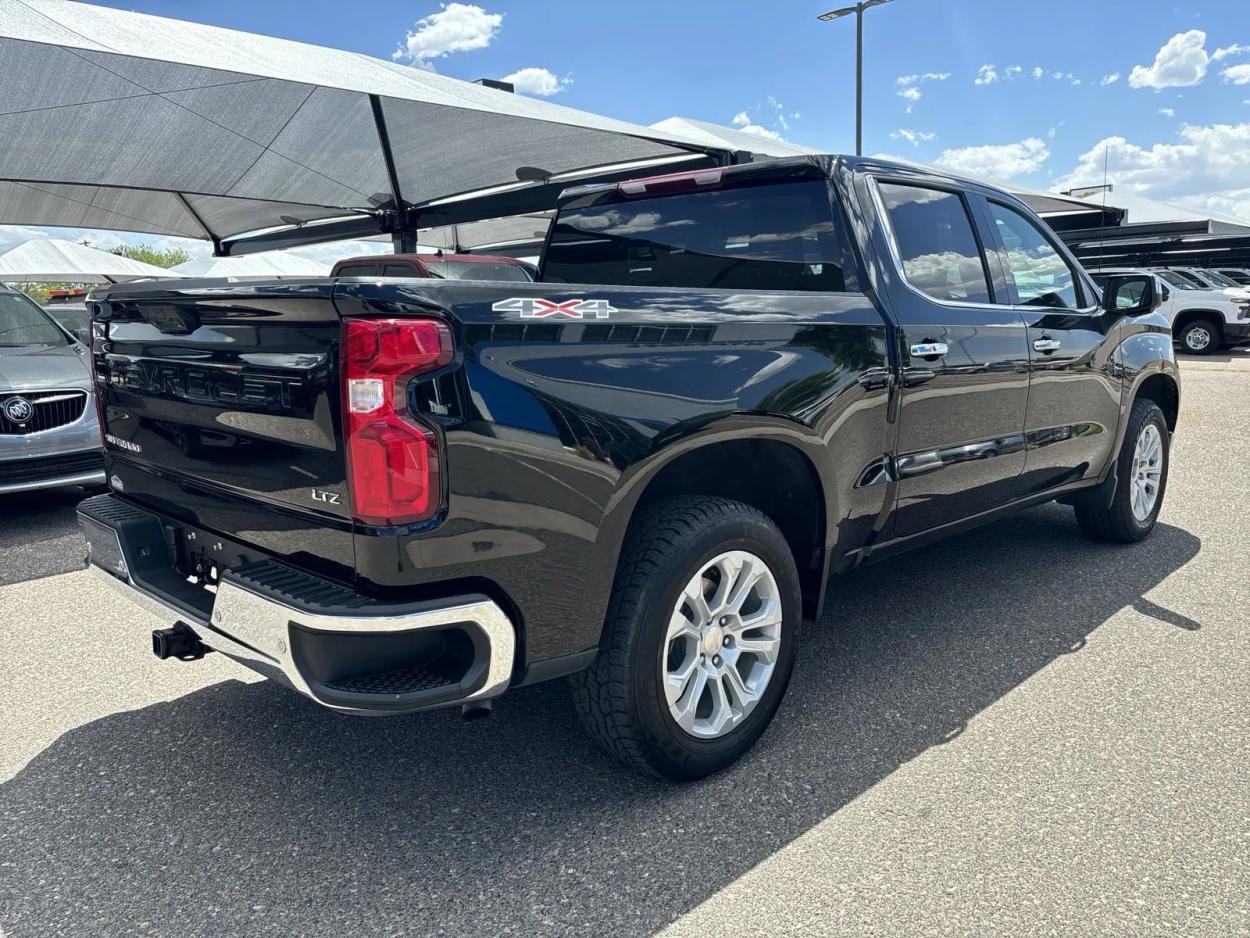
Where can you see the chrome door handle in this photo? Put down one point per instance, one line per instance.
(1046, 345)
(929, 349)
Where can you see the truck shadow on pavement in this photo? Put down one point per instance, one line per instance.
(243, 809)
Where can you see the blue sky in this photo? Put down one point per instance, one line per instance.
(1013, 90)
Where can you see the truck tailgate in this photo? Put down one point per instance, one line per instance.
(221, 408)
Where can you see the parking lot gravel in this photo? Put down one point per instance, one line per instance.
(1015, 732)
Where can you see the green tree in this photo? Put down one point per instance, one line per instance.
(160, 257)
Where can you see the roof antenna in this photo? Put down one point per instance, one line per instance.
(1102, 233)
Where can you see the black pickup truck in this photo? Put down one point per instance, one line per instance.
(640, 471)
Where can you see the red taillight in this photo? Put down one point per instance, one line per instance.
(673, 182)
(392, 458)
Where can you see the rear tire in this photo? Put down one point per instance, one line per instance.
(1201, 337)
(1141, 481)
(642, 699)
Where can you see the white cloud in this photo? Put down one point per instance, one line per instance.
(1180, 63)
(1224, 53)
(1110, 79)
(457, 27)
(774, 114)
(1014, 70)
(1038, 71)
(537, 81)
(909, 85)
(914, 137)
(999, 162)
(1234, 202)
(911, 94)
(760, 131)
(1167, 112)
(986, 75)
(1237, 74)
(1203, 159)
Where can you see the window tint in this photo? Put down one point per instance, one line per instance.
(768, 237)
(935, 242)
(400, 270)
(1039, 273)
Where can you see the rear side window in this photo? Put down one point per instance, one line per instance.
(779, 236)
(933, 234)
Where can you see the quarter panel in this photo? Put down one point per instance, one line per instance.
(566, 420)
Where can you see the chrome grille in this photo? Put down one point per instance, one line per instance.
(48, 410)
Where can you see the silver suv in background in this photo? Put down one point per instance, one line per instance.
(49, 433)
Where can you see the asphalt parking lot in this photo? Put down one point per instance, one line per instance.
(1014, 732)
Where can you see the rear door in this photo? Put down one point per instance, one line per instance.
(960, 438)
(1074, 390)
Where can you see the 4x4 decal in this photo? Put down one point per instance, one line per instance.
(528, 307)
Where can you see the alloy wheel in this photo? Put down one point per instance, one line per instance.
(1147, 472)
(722, 644)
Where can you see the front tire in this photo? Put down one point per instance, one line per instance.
(699, 639)
(1201, 337)
(1141, 480)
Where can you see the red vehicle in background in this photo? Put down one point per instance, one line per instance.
(439, 266)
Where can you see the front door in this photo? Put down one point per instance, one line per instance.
(1074, 391)
(960, 442)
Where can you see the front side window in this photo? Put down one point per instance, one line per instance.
(1040, 275)
(933, 234)
(777, 236)
(24, 325)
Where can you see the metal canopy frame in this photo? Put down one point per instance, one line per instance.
(196, 131)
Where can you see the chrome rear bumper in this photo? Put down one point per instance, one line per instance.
(352, 654)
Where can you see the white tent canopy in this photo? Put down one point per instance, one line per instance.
(268, 264)
(47, 260)
(133, 122)
(715, 136)
(1141, 210)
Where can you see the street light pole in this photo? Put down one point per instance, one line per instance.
(858, 10)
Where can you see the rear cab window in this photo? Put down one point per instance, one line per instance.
(763, 235)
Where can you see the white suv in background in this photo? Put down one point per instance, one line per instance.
(1203, 321)
(1214, 280)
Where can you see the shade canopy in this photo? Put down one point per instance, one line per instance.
(728, 138)
(270, 264)
(1140, 210)
(47, 260)
(132, 122)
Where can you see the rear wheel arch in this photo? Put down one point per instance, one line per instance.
(775, 477)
